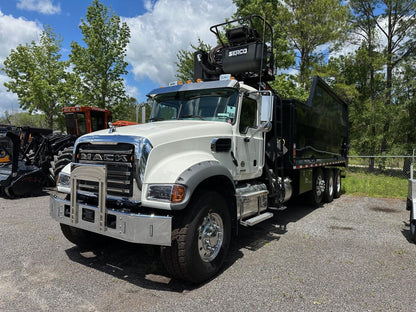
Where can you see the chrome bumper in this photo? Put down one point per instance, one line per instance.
(135, 228)
(131, 227)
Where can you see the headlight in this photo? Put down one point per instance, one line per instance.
(64, 180)
(174, 193)
(63, 183)
(145, 151)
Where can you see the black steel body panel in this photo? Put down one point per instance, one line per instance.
(316, 132)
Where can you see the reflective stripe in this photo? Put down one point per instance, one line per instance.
(319, 165)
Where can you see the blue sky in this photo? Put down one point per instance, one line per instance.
(159, 29)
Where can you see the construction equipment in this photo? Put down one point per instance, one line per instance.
(79, 120)
(31, 158)
(25, 154)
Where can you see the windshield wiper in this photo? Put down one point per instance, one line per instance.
(156, 119)
(191, 116)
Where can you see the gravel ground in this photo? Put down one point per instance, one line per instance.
(350, 255)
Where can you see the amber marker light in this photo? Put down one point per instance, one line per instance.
(178, 193)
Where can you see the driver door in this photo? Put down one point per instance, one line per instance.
(249, 142)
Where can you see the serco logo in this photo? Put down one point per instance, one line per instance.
(238, 52)
(104, 157)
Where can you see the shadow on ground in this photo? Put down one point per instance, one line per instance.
(141, 265)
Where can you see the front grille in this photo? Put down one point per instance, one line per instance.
(119, 160)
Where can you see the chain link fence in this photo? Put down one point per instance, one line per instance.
(379, 176)
(394, 166)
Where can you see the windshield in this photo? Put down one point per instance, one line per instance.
(211, 104)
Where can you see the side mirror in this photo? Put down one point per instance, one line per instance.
(266, 107)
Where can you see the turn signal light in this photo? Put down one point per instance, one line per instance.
(178, 193)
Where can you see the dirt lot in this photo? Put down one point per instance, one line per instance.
(350, 255)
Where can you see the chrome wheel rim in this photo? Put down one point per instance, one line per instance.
(320, 186)
(210, 237)
(331, 186)
(338, 183)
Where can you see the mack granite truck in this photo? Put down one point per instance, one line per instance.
(219, 153)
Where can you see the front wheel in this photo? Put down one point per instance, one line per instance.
(82, 238)
(200, 239)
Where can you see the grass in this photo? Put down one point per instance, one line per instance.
(374, 185)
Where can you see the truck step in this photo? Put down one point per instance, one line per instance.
(257, 219)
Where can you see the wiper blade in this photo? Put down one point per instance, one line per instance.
(191, 116)
(156, 119)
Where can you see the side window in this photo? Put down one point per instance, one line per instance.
(82, 126)
(97, 120)
(70, 124)
(248, 114)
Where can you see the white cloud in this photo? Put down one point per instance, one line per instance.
(131, 90)
(9, 100)
(148, 4)
(41, 6)
(167, 27)
(13, 31)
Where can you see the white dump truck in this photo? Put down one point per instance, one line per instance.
(219, 153)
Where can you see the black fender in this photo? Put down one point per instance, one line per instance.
(197, 175)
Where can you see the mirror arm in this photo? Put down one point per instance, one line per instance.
(265, 126)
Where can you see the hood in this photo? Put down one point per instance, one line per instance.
(165, 131)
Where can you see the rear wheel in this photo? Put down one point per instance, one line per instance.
(200, 239)
(337, 183)
(318, 187)
(329, 185)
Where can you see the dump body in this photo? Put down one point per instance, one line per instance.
(315, 132)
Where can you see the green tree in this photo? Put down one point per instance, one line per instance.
(38, 75)
(403, 121)
(309, 25)
(99, 66)
(185, 60)
(24, 119)
(395, 22)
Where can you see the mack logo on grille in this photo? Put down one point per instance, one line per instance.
(104, 157)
